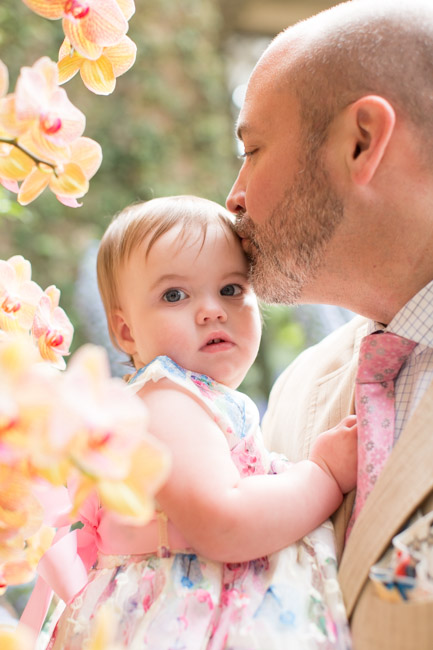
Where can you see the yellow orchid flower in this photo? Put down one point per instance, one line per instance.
(20, 512)
(67, 181)
(12, 638)
(23, 537)
(89, 25)
(133, 497)
(98, 75)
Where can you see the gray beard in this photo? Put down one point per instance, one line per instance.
(287, 251)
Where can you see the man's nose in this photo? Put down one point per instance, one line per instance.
(236, 199)
(211, 311)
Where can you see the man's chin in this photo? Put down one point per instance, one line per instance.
(272, 288)
(248, 247)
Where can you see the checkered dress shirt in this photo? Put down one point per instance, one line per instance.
(414, 321)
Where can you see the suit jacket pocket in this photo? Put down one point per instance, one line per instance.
(378, 624)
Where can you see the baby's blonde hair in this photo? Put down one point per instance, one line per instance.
(150, 220)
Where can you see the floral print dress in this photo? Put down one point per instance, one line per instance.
(288, 600)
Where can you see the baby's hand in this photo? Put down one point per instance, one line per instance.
(335, 451)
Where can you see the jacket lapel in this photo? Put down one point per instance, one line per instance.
(404, 483)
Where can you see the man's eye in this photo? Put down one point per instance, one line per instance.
(231, 290)
(247, 154)
(174, 295)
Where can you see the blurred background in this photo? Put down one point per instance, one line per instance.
(168, 128)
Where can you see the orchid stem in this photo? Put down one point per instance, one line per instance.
(35, 159)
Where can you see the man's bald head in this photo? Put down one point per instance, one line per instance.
(381, 47)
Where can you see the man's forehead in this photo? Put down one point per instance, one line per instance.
(269, 99)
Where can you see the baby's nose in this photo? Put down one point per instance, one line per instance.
(211, 311)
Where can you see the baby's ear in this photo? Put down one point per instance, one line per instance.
(122, 332)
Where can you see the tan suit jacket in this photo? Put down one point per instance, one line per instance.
(314, 394)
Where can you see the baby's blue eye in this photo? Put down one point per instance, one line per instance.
(174, 295)
(231, 290)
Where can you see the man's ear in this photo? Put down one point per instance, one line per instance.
(122, 332)
(371, 124)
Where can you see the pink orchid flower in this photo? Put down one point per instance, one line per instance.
(19, 295)
(104, 430)
(14, 164)
(89, 25)
(98, 75)
(43, 110)
(52, 329)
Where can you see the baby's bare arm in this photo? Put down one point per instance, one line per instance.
(335, 451)
(223, 516)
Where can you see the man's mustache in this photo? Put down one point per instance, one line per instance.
(244, 226)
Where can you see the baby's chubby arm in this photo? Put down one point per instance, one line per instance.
(335, 451)
(221, 515)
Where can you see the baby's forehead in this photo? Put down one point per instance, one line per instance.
(192, 234)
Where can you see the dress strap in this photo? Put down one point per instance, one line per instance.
(163, 548)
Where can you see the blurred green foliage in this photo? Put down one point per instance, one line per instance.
(166, 129)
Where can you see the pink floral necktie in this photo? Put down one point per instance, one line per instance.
(380, 359)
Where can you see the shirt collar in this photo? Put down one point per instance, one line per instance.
(414, 321)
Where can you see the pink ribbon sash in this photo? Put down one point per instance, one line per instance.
(64, 568)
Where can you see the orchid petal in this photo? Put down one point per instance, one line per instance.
(48, 71)
(121, 498)
(127, 7)
(68, 65)
(19, 295)
(73, 121)
(22, 268)
(4, 79)
(98, 76)
(87, 154)
(53, 294)
(19, 509)
(105, 23)
(10, 125)
(150, 466)
(34, 87)
(85, 47)
(39, 99)
(68, 201)
(53, 9)
(70, 182)
(37, 144)
(15, 638)
(122, 55)
(65, 49)
(52, 328)
(12, 186)
(15, 165)
(33, 185)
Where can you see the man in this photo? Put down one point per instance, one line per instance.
(335, 205)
